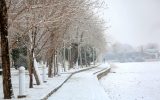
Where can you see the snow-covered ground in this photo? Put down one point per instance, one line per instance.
(133, 81)
(37, 92)
(82, 86)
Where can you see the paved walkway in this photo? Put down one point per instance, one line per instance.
(39, 91)
(82, 86)
(36, 93)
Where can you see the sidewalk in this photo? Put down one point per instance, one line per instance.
(36, 93)
(39, 91)
(82, 86)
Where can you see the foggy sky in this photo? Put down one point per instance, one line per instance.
(135, 22)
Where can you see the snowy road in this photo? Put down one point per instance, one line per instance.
(133, 81)
(81, 86)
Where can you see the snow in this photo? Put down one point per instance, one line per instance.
(82, 86)
(39, 91)
(133, 81)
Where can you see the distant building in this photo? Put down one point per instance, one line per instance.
(153, 53)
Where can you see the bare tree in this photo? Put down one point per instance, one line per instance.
(7, 85)
(47, 27)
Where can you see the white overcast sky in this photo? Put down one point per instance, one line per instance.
(134, 22)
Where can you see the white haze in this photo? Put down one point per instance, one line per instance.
(134, 22)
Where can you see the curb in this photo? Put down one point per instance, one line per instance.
(57, 88)
(102, 73)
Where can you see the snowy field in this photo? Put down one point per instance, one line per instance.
(133, 81)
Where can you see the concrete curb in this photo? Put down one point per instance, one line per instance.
(102, 73)
(57, 88)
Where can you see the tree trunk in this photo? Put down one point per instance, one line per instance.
(85, 51)
(69, 58)
(64, 56)
(80, 56)
(32, 70)
(54, 62)
(93, 57)
(36, 74)
(77, 63)
(7, 85)
(56, 65)
(58, 55)
(31, 64)
(50, 67)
